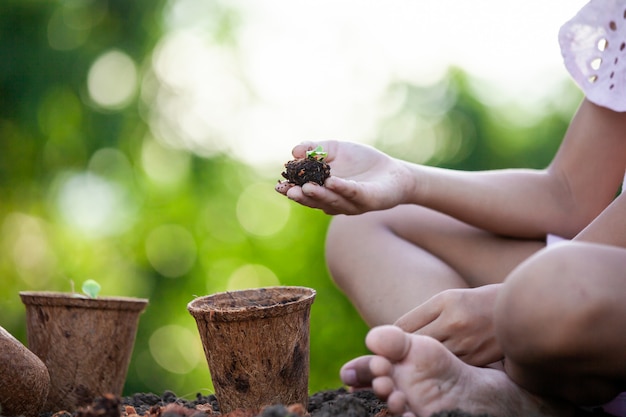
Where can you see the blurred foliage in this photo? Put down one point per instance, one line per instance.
(451, 124)
(86, 191)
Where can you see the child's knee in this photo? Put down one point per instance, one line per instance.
(350, 236)
(535, 315)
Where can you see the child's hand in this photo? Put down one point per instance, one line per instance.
(461, 319)
(362, 179)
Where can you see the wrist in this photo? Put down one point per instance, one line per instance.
(413, 183)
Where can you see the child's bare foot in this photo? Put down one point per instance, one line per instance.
(417, 375)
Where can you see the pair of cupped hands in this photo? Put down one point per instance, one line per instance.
(365, 179)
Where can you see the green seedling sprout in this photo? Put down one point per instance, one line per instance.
(91, 288)
(317, 154)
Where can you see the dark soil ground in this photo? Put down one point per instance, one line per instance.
(332, 403)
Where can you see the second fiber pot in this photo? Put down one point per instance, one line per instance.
(256, 343)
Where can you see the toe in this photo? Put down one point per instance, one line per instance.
(397, 402)
(357, 373)
(380, 366)
(388, 341)
(383, 387)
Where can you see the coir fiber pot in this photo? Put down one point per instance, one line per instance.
(86, 343)
(256, 342)
(24, 379)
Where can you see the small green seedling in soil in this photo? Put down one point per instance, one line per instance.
(91, 288)
(317, 154)
(311, 168)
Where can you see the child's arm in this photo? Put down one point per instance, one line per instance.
(561, 199)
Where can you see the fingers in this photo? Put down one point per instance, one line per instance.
(336, 194)
(426, 320)
(423, 319)
(319, 197)
(315, 196)
(419, 317)
(299, 151)
(346, 188)
(311, 199)
(282, 187)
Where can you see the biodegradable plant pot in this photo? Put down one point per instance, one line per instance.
(24, 380)
(256, 344)
(86, 343)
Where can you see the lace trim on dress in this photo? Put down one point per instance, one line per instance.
(593, 45)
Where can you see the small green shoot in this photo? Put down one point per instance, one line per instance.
(317, 154)
(91, 288)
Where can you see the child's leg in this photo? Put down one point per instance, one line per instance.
(389, 262)
(560, 321)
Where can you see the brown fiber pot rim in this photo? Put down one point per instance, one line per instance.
(255, 303)
(54, 299)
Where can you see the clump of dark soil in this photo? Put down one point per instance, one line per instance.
(303, 170)
(332, 403)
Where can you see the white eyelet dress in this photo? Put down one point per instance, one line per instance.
(593, 45)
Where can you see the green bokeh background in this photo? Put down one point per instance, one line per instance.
(175, 224)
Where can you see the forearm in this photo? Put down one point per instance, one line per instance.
(517, 202)
(562, 199)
